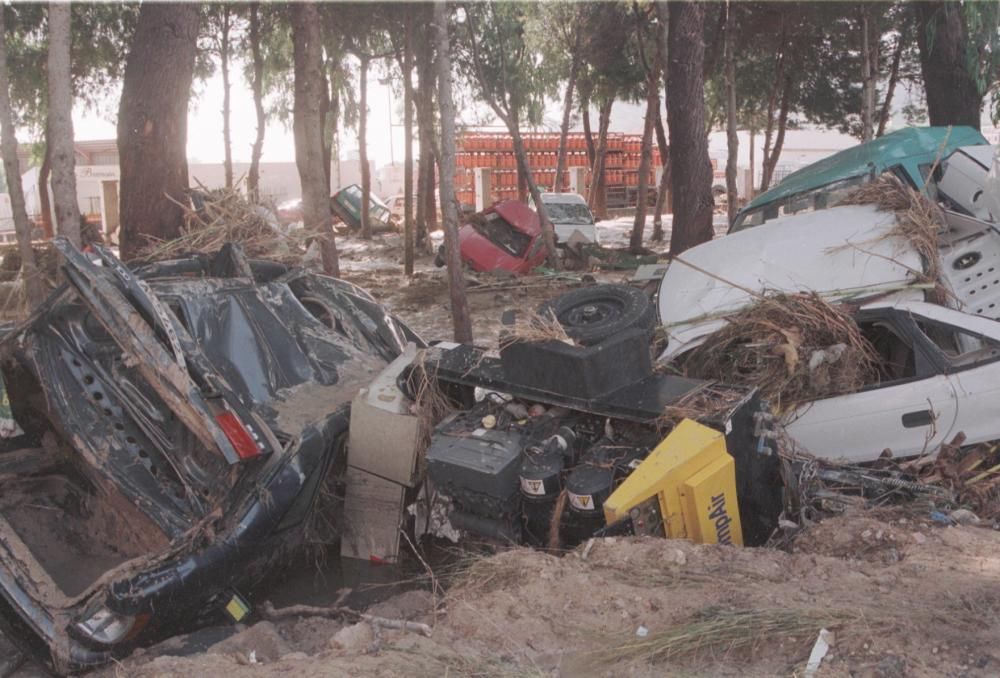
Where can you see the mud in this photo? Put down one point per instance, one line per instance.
(75, 532)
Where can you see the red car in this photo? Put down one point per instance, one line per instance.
(506, 236)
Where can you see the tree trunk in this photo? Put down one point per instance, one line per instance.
(772, 100)
(639, 224)
(33, 291)
(426, 211)
(522, 181)
(691, 170)
(308, 131)
(753, 162)
(732, 138)
(663, 189)
(771, 158)
(548, 233)
(598, 198)
(253, 175)
(567, 110)
(953, 97)
(326, 126)
(44, 203)
(867, 79)
(366, 177)
(588, 136)
(60, 123)
(408, 144)
(461, 319)
(152, 123)
(883, 118)
(227, 140)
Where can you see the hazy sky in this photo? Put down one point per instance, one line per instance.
(205, 126)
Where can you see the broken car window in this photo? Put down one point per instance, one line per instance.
(962, 348)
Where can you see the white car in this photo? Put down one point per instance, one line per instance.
(941, 375)
(940, 364)
(569, 214)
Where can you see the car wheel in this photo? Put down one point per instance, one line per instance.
(592, 314)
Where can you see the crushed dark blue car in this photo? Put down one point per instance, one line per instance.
(175, 423)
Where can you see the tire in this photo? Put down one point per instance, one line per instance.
(592, 314)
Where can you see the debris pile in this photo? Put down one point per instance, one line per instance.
(531, 327)
(225, 216)
(793, 347)
(971, 473)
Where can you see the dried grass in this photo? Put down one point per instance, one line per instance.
(531, 327)
(431, 405)
(972, 473)
(919, 221)
(776, 344)
(721, 629)
(228, 217)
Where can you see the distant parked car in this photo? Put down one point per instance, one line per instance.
(290, 211)
(569, 214)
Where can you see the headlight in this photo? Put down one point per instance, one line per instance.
(106, 627)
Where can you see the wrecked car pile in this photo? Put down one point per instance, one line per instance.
(175, 424)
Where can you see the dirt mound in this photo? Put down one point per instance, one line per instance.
(653, 607)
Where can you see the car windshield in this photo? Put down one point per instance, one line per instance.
(816, 199)
(568, 213)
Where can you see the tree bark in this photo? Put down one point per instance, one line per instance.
(524, 170)
(953, 98)
(408, 144)
(691, 174)
(890, 89)
(366, 177)
(461, 319)
(227, 139)
(771, 158)
(426, 211)
(868, 78)
(732, 138)
(253, 175)
(152, 123)
(307, 127)
(44, 203)
(567, 110)
(33, 291)
(772, 101)
(588, 135)
(663, 193)
(60, 123)
(639, 224)
(598, 198)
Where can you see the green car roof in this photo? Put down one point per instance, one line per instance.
(909, 147)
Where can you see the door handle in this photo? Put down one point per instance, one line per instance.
(918, 418)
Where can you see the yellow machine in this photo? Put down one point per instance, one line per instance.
(685, 489)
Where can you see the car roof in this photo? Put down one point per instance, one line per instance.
(567, 198)
(881, 153)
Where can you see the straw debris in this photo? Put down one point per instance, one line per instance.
(919, 221)
(531, 327)
(794, 348)
(228, 217)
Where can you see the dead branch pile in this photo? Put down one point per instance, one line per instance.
(531, 327)
(794, 348)
(971, 472)
(919, 222)
(706, 402)
(228, 217)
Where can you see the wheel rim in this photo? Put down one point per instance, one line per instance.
(592, 313)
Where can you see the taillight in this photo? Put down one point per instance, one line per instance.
(238, 435)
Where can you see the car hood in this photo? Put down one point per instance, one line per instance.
(840, 253)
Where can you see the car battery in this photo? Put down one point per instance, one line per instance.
(477, 467)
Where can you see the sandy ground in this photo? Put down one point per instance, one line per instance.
(902, 598)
